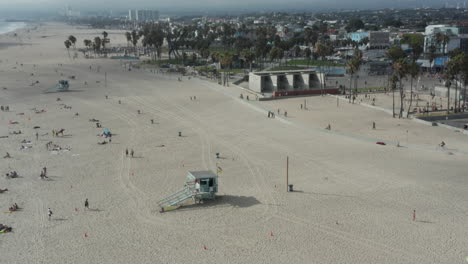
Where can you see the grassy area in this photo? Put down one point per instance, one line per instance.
(165, 61)
(287, 68)
(233, 70)
(314, 63)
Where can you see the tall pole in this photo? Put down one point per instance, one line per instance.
(287, 173)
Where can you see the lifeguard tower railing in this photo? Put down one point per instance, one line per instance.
(185, 193)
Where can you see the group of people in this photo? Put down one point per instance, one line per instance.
(5, 108)
(56, 133)
(12, 174)
(131, 153)
(13, 207)
(5, 228)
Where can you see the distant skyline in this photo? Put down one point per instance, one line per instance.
(220, 5)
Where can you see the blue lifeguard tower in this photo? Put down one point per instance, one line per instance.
(200, 185)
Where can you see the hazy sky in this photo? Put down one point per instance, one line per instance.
(216, 4)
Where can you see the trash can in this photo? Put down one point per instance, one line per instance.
(291, 189)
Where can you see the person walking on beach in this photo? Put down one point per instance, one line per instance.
(44, 170)
(126, 152)
(131, 153)
(86, 204)
(37, 136)
(49, 213)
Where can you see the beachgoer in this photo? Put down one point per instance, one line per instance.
(442, 144)
(131, 153)
(49, 213)
(126, 152)
(37, 136)
(285, 113)
(373, 125)
(152, 121)
(86, 204)
(7, 156)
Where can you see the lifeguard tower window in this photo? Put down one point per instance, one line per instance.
(210, 183)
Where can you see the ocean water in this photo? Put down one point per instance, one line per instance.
(6, 27)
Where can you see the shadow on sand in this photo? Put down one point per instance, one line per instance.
(223, 200)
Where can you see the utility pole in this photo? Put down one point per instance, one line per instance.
(287, 173)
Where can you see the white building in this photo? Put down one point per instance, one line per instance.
(430, 38)
(143, 15)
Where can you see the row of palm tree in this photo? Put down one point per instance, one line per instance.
(97, 45)
(265, 44)
(457, 72)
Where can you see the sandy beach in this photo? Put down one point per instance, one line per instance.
(353, 203)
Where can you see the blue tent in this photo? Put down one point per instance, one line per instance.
(441, 61)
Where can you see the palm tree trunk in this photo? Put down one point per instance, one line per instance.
(393, 100)
(411, 98)
(350, 87)
(456, 90)
(401, 99)
(448, 100)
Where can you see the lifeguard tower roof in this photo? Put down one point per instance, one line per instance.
(202, 174)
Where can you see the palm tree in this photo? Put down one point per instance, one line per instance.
(135, 38)
(72, 39)
(453, 69)
(225, 60)
(442, 39)
(397, 55)
(354, 64)
(413, 70)
(128, 36)
(97, 44)
(249, 57)
(105, 40)
(400, 68)
(308, 53)
(351, 70)
(393, 80)
(87, 43)
(68, 45)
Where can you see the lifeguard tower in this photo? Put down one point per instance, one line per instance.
(200, 185)
(61, 86)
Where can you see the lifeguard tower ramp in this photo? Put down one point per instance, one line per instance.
(200, 185)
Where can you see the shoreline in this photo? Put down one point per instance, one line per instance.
(12, 27)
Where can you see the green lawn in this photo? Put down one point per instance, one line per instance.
(287, 68)
(165, 61)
